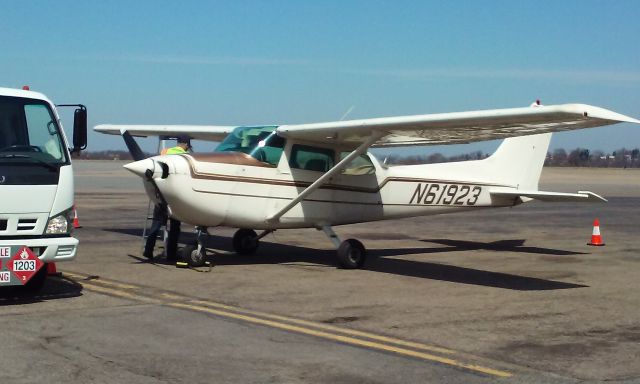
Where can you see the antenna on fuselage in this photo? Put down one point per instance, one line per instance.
(351, 108)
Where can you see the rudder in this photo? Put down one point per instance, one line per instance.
(519, 160)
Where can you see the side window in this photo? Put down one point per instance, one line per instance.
(361, 165)
(311, 158)
(43, 132)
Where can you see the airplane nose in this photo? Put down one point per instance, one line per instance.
(141, 167)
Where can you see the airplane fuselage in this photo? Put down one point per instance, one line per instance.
(233, 190)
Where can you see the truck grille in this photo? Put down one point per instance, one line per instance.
(65, 250)
(27, 224)
(16, 224)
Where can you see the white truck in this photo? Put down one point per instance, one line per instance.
(36, 186)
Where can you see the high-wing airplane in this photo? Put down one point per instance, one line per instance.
(320, 175)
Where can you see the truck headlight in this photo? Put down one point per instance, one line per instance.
(60, 224)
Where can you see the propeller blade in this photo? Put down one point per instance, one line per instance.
(134, 148)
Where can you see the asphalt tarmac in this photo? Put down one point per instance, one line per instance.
(511, 294)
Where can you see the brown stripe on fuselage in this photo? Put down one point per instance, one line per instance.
(238, 158)
(212, 158)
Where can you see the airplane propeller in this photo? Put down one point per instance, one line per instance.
(133, 147)
(143, 166)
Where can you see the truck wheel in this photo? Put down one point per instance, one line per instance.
(245, 241)
(192, 257)
(351, 254)
(37, 281)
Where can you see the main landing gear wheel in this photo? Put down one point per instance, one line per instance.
(194, 257)
(351, 254)
(245, 241)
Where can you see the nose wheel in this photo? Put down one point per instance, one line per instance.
(196, 254)
(194, 257)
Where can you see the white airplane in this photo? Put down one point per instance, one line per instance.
(320, 175)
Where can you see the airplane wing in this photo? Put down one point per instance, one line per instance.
(581, 196)
(431, 129)
(457, 127)
(198, 132)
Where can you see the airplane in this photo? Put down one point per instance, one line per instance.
(320, 175)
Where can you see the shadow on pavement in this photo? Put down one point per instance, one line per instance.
(501, 245)
(379, 261)
(55, 287)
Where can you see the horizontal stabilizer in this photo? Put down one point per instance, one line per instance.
(581, 196)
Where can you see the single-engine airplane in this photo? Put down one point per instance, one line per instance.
(320, 175)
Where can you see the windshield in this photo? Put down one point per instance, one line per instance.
(29, 133)
(261, 143)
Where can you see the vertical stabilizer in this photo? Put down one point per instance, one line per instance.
(519, 160)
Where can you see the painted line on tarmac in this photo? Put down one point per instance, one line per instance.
(344, 339)
(84, 278)
(121, 294)
(323, 331)
(347, 331)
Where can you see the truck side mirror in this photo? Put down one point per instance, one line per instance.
(79, 129)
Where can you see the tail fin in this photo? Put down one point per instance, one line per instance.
(519, 160)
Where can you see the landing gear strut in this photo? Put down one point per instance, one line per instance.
(351, 253)
(196, 254)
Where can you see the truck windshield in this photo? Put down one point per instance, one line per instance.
(261, 143)
(29, 133)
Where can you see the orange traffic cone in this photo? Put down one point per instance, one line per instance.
(76, 222)
(596, 238)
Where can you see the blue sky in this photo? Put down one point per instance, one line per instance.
(266, 62)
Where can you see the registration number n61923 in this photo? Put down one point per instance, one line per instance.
(445, 194)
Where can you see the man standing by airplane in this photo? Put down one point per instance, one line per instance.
(160, 214)
(183, 146)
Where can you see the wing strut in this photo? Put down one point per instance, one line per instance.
(375, 135)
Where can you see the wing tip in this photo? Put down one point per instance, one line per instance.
(605, 114)
(107, 128)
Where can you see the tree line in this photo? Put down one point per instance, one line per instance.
(582, 157)
(106, 155)
(579, 157)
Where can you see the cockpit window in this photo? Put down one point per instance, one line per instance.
(261, 143)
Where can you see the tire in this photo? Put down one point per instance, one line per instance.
(351, 254)
(245, 241)
(37, 281)
(192, 257)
